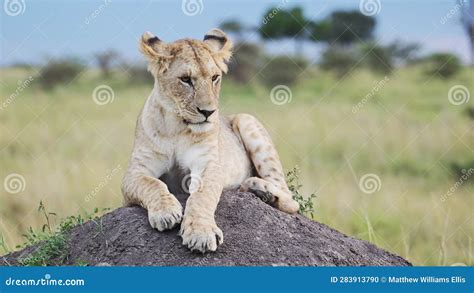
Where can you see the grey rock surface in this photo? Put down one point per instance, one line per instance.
(255, 234)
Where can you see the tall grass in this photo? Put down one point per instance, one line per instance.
(72, 153)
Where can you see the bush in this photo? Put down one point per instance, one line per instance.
(463, 171)
(138, 73)
(378, 59)
(282, 70)
(60, 71)
(445, 65)
(22, 65)
(338, 60)
(403, 53)
(245, 62)
(106, 60)
(470, 112)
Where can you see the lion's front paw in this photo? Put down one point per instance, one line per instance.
(166, 216)
(201, 235)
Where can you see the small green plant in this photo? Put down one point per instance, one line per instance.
(3, 245)
(306, 204)
(81, 263)
(47, 225)
(52, 244)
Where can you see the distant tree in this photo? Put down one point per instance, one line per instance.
(445, 65)
(377, 58)
(282, 70)
(245, 62)
(401, 52)
(105, 61)
(467, 7)
(279, 24)
(320, 31)
(233, 26)
(344, 28)
(21, 64)
(60, 71)
(338, 59)
(137, 73)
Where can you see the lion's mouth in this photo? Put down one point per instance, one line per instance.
(187, 122)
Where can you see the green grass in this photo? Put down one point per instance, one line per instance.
(52, 244)
(72, 153)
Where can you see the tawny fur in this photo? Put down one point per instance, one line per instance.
(171, 133)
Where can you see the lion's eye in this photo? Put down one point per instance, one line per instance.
(186, 79)
(215, 77)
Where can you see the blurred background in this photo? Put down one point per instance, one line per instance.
(369, 100)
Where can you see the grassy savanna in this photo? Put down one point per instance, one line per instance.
(72, 153)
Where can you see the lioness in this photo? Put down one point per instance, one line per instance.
(180, 127)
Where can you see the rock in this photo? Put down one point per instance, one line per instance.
(255, 234)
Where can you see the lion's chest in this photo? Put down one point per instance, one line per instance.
(185, 158)
(194, 156)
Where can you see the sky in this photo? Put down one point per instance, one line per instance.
(35, 30)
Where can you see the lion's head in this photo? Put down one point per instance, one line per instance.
(188, 75)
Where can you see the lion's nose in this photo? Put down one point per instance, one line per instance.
(206, 113)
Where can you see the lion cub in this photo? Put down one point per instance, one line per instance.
(180, 127)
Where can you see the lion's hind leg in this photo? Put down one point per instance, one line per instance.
(270, 185)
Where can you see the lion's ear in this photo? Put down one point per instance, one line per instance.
(221, 47)
(155, 50)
